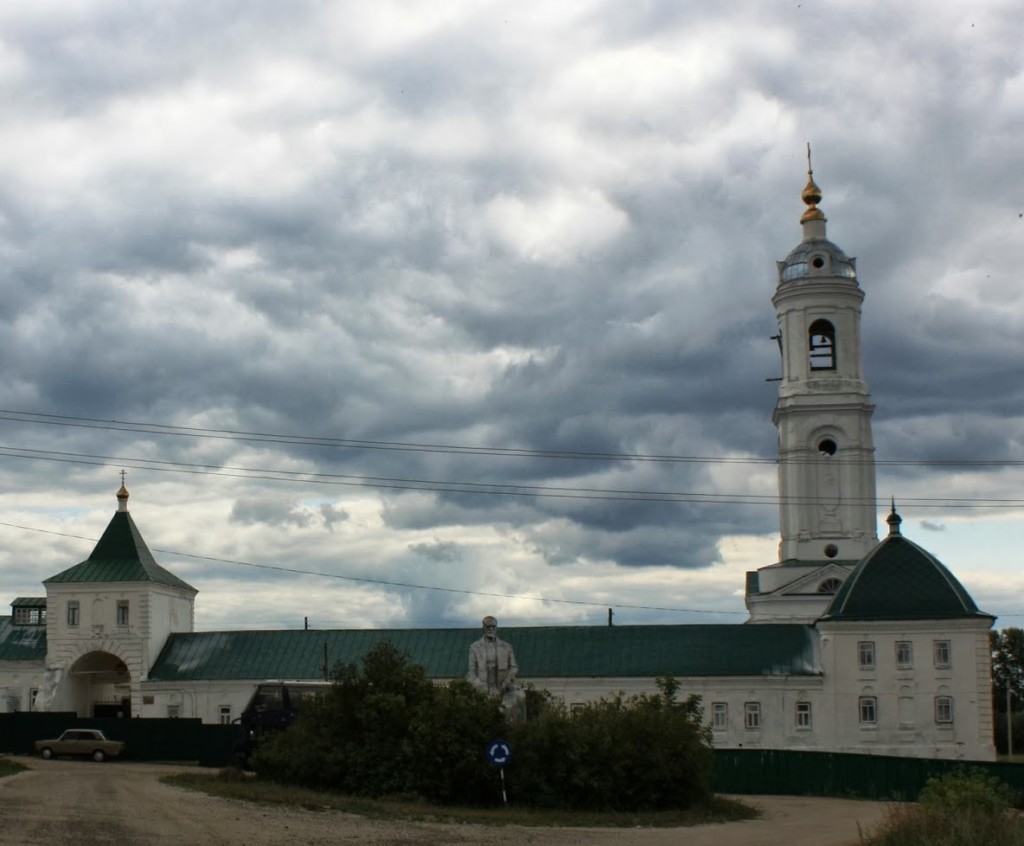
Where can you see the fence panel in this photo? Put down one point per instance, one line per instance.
(787, 772)
(147, 740)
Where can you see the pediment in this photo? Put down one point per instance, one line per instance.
(809, 583)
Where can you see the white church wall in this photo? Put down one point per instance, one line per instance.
(936, 704)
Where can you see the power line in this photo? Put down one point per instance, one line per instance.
(43, 418)
(386, 582)
(485, 488)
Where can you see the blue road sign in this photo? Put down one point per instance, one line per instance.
(499, 753)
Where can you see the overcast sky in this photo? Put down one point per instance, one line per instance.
(481, 239)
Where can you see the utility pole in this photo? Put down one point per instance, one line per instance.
(1009, 721)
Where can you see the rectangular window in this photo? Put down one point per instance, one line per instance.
(719, 716)
(73, 612)
(803, 715)
(866, 654)
(904, 654)
(944, 710)
(225, 715)
(122, 612)
(33, 695)
(868, 710)
(752, 715)
(173, 711)
(943, 654)
(29, 616)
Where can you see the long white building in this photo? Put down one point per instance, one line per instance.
(852, 644)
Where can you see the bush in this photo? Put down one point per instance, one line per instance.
(963, 808)
(641, 753)
(385, 729)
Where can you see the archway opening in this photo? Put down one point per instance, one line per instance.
(101, 686)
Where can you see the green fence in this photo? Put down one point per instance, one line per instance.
(740, 771)
(785, 772)
(146, 740)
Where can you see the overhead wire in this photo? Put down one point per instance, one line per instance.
(487, 488)
(44, 418)
(388, 582)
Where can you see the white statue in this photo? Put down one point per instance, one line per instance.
(493, 669)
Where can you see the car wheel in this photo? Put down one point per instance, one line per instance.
(98, 756)
(46, 752)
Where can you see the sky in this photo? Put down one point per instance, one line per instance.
(397, 314)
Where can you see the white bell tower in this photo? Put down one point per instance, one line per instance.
(823, 415)
(826, 454)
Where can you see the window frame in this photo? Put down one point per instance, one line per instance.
(719, 716)
(804, 715)
(29, 615)
(906, 660)
(944, 714)
(942, 652)
(74, 614)
(752, 716)
(123, 613)
(866, 654)
(867, 710)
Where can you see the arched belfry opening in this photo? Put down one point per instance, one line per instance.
(822, 345)
(100, 686)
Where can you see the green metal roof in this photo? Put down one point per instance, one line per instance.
(29, 602)
(120, 555)
(898, 580)
(541, 652)
(21, 643)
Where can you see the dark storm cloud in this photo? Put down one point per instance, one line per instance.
(544, 229)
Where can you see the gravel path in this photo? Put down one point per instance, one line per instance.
(124, 803)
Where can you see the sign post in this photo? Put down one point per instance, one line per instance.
(499, 753)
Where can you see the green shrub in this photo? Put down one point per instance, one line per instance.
(385, 729)
(963, 808)
(624, 754)
(964, 791)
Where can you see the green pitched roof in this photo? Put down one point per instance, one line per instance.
(541, 652)
(21, 643)
(898, 580)
(121, 555)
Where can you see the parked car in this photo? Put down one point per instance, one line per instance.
(91, 743)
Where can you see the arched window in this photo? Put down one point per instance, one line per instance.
(829, 585)
(822, 345)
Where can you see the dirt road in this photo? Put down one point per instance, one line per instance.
(125, 804)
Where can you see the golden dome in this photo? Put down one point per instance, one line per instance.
(811, 194)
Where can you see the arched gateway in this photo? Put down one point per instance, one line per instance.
(107, 620)
(99, 685)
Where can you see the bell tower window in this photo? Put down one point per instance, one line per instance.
(822, 345)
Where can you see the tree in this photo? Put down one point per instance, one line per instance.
(385, 728)
(1008, 675)
(1007, 665)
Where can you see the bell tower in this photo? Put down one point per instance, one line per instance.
(823, 414)
(823, 417)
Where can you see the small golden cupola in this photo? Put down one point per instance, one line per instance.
(122, 495)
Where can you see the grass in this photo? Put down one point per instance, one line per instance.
(230, 785)
(9, 767)
(964, 807)
(912, 825)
